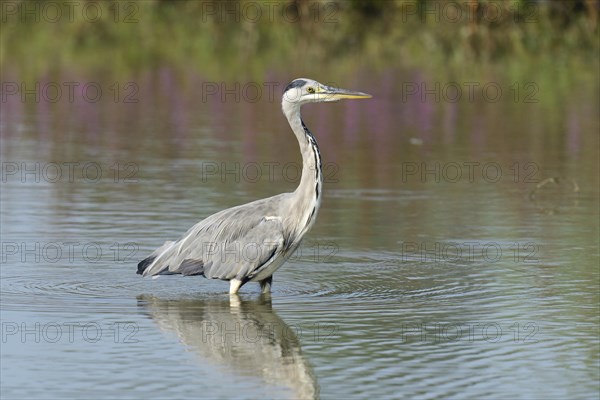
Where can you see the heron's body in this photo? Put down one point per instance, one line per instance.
(248, 243)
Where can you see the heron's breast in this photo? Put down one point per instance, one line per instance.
(276, 262)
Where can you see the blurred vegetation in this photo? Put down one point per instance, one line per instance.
(243, 38)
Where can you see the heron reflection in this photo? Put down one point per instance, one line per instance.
(245, 336)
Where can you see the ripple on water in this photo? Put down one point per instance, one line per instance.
(361, 283)
(373, 278)
(63, 293)
(377, 276)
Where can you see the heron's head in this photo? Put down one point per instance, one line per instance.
(302, 91)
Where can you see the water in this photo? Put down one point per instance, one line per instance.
(455, 253)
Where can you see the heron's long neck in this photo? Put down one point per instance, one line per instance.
(307, 196)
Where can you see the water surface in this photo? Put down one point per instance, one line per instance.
(455, 253)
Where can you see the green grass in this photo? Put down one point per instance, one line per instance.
(343, 36)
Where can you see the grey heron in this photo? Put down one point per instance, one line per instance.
(249, 242)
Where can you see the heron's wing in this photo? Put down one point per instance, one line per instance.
(232, 243)
(247, 254)
(147, 262)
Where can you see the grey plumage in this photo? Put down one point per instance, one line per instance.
(251, 241)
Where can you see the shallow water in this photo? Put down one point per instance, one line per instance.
(455, 253)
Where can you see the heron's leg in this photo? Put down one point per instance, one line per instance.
(234, 302)
(265, 284)
(234, 286)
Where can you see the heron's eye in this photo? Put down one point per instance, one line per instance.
(310, 89)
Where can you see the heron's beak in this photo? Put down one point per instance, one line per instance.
(335, 94)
